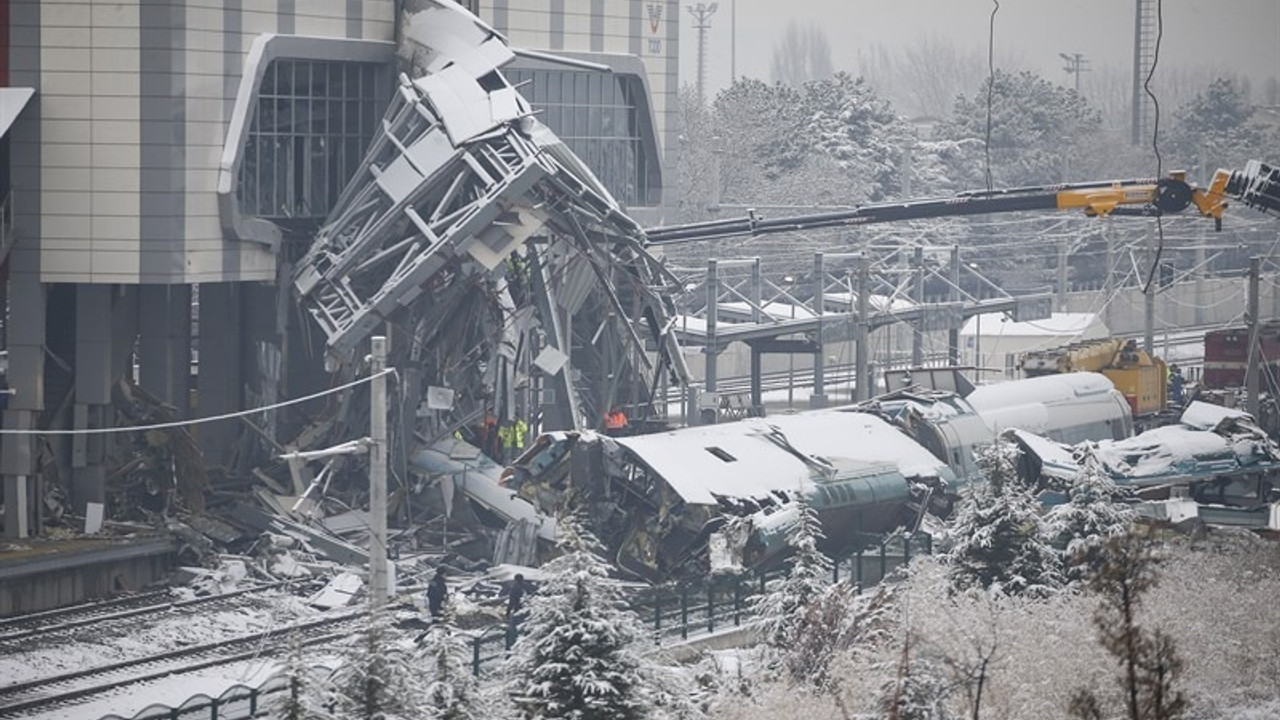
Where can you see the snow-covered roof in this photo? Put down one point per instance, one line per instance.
(739, 460)
(775, 310)
(1057, 324)
(1043, 389)
(878, 303)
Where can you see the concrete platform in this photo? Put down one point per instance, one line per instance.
(44, 574)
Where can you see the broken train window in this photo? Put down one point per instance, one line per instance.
(312, 122)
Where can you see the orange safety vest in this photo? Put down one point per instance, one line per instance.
(615, 420)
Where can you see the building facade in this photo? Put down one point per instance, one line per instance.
(177, 155)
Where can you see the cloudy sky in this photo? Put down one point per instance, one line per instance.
(1242, 36)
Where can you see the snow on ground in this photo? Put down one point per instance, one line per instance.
(170, 691)
(92, 646)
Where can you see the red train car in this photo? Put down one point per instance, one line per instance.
(1226, 355)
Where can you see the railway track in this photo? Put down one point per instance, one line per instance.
(51, 622)
(51, 693)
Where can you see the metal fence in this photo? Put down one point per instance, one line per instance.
(673, 612)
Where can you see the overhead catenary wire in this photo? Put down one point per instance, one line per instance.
(1155, 140)
(203, 420)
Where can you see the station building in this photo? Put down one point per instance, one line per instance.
(163, 161)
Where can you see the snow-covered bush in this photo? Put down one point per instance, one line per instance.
(578, 654)
(304, 700)
(379, 678)
(998, 539)
(1091, 515)
(450, 688)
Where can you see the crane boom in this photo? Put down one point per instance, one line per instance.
(1257, 186)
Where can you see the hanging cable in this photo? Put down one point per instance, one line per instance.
(991, 85)
(1155, 143)
(199, 421)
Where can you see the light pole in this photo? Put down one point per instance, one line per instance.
(733, 41)
(702, 13)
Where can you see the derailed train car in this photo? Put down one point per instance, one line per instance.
(656, 500)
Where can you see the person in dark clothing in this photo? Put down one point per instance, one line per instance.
(437, 592)
(1177, 383)
(515, 601)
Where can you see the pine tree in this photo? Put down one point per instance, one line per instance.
(378, 678)
(998, 538)
(450, 690)
(575, 657)
(303, 700)
(781, 610)
(1091, 515)
(1121, 571)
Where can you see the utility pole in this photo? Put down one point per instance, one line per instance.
(819, 397)
(953, 334)
(917, 295)
(861, 352)
(702, 13)
(378, 473)
(709, 403)
(1064, 276)
(1149, 297)
(733, 43)
(1252, 378)
(1075, 64)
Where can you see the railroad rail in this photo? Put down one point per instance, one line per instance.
(54, 621)
(49, 693)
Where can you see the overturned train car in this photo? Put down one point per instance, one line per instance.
(657, 500)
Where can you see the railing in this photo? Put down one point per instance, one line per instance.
(673, 612)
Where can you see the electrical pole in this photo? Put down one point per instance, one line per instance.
(1149, 297)
(702, 13)
(1064, 276)
(953, 334)
(1075, 64)
(1252, 378)
(733, 42)
(917, 296)
(861, 352)
(378, 474)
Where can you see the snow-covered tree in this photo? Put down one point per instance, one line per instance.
(379, 678)
(450, 691)
(1121, 571)
(781, 610)
(304, 700)
(1038, 128)
(1218, 128)
(1091, 515)
(918, 689)
(859, 130)
(998, 540)
(577, 656)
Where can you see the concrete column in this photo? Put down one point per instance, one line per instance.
(219, 383)
(164, 343)
(92, 408)
(25, 332)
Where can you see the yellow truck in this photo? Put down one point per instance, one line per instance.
(1141, 378)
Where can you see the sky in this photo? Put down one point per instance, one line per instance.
(1242, 36)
